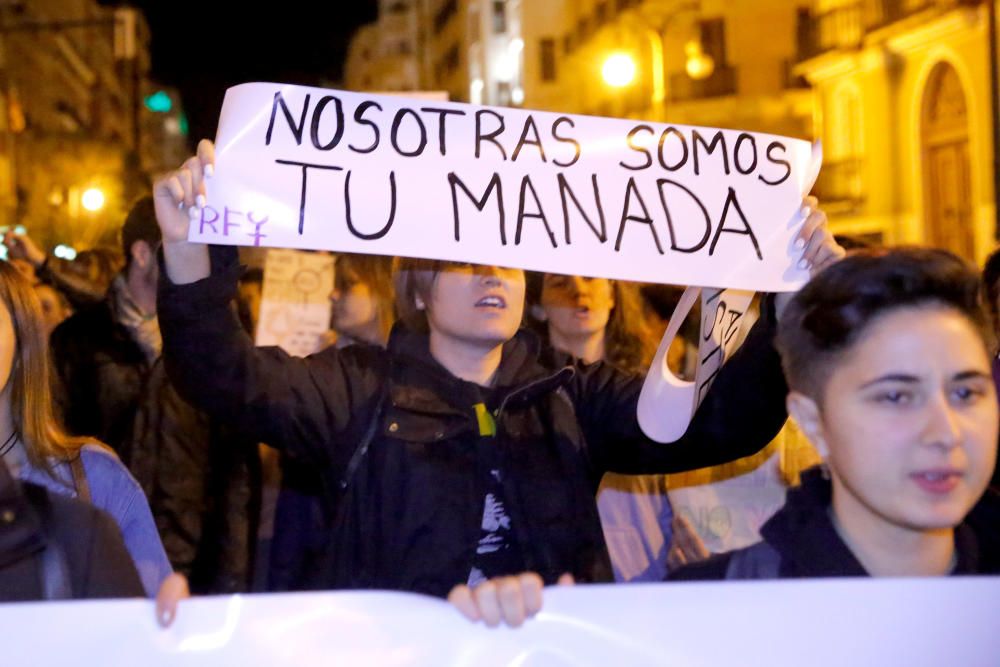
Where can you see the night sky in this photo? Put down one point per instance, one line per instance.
(204, 47)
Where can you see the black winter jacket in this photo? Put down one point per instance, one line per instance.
(801, 541)
(411, 515)
(101, 374)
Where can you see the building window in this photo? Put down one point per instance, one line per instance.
(503, 93)
(447, 10)
(448, 63)
(601, 12)
(499, 16)
(547, 52)
(713, 40)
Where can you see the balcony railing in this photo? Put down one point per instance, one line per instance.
(845, 26)
(722, 82)
(880, 13)
(838, 28)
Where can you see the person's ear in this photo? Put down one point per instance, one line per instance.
(806, 413)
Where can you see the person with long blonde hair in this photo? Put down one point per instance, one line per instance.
(36, 448)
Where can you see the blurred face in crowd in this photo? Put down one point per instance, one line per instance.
(576, 306)
(144, 267)
(478, 305)
(54, 311)
(907, 421)
(355, 307)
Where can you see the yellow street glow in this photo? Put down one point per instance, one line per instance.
(618, 70)
(93, 199)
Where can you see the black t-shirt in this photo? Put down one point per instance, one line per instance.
(497, 551)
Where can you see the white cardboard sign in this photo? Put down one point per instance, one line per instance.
(295, 300)
(311, 168)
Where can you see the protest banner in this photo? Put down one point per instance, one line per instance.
(311, 168)
(833, 622)
(295, 300)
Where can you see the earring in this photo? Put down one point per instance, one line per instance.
(824, 470)
(419, 303)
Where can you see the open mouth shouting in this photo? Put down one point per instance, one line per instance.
(492, 301)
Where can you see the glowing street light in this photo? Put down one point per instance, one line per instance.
(699, 65)
(618, 70)
(93, 199)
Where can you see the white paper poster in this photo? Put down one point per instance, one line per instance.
(312, 168)
(295, 300)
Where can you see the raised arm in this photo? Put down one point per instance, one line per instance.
(296, 404)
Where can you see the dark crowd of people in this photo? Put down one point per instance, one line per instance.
(470, 432)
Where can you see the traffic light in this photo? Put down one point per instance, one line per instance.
(159, 102)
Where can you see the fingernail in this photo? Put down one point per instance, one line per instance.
(800, 244)
(166, 617)
(806, 211)
(180, 206)
(209, 170)
(200, 201)
(193, 213)
(804, 264)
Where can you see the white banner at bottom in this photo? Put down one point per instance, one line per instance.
(816, 622)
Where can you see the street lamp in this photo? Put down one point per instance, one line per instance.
(92, 199)
(698, 64)
(618, 70)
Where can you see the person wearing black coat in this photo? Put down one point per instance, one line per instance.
(801, 540)
(456, 454)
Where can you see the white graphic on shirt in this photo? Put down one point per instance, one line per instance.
(496, 526)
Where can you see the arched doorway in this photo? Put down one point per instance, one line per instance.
(947, 171)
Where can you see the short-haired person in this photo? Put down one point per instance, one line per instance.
(461, 456)
(887, 356)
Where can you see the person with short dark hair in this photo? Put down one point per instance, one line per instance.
(457, 454)
(887, 356)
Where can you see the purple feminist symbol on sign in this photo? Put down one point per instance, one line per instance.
(256, 233)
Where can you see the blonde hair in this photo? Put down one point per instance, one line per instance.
(375, 271)
(31, 405)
